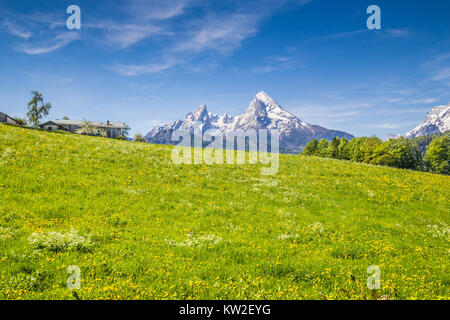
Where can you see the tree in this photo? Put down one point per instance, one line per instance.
(406, 153)
(37, 109)
(322, 147)
(333, 148)
(344, 149)
(124, 132)
(87, 128)
(139, 138)
(370, 145)
(311, 148)
(382, 156)
(438, 155)
(356, 149)
(65, 118)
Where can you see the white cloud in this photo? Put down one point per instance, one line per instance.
(59, 41)
(397, 32)
(421, 101)
(182, 40)
(342, 34)
(278, 64)
(141, 19)
(156, 9)
(383, 32)
(394, 100)
(135, 70)
(442, 74)
(388, 125)
(17, 30)
(328, 114)
(128, 35)
(439, 69)
(223, 34)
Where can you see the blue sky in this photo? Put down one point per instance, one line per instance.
(148, 62)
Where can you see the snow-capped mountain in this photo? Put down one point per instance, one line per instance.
(436, 121)
(262, 113)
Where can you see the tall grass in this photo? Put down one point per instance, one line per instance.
(164, 231)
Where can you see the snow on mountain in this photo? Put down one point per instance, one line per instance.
(262, 113)
(436, 121)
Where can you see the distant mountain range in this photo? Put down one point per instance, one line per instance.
(262, 113)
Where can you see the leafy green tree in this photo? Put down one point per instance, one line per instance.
(382, 156)
(344, 149)
(37, 109)
(356, 148)
(333, 148)
(311, 148)
(370, 144)
(438, 155)
(87, 128)
(322, 147)
(139, 138)
(406, 153)
(424, 141)
(124, 132)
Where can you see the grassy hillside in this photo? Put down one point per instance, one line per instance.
(143, 227)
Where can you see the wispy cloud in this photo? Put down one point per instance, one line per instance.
(156, 9)
(48, 31)
(443, 74)
(220, 33)
(59, 41)
(397, 32)
(383, 33)
(394, 100)
(342, 34)
(388, 125)
(141, 20)
(439, 68)
(329, 114)
(210, 34)
(128, 35)
(135, 70)
(279, 64)
(16, 30)
(423, 101)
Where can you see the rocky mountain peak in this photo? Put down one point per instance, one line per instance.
(436, 121)
(199, 114)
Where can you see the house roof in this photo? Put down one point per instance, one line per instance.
(48, 122)
(97, 124)
(6, 116)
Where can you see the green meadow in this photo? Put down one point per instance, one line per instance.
(140, 227)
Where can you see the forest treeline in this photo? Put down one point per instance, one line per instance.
(427, 153)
